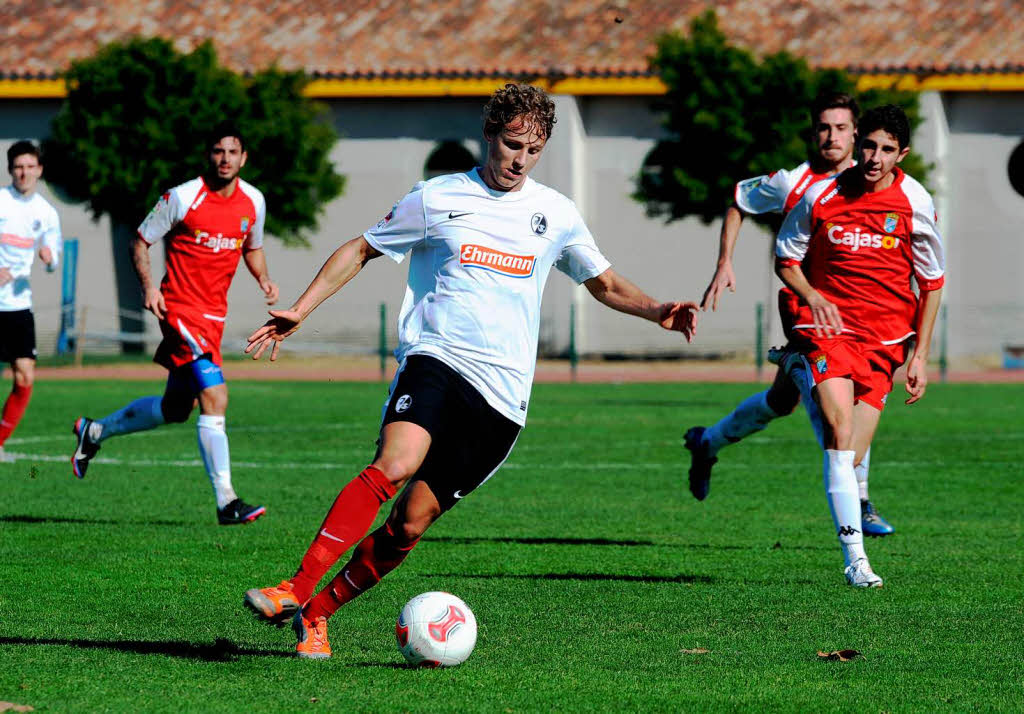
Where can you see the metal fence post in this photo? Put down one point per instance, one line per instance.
(382, 344)
(573, 356)
(759, 339)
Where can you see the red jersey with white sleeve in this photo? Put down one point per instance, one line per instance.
(860, 251)
(206, 234)
(777, 192)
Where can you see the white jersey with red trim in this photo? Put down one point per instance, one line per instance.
(26, 225)
(777, 192)
(861, 250)
(206, 234)
(479, 259)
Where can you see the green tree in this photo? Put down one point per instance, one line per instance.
(134, 124)
(729, 115)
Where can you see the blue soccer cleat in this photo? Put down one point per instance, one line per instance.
(872, 522)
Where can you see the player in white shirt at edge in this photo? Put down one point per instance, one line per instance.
(833, 123)
(481, 245)
(29, 227)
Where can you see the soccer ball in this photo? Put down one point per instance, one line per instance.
(436, 629)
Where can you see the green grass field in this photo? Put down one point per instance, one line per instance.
(593, 573)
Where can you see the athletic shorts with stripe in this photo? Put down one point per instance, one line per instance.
(869, 365)
(17, 335)
(187, 337)
(470, 439)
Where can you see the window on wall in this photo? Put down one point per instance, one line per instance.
(1015, 169)
(448, 158)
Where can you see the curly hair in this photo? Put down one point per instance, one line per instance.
(889, 118)
(519, 100)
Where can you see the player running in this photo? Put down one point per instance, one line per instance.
(848, 251)
(481, 246)
(29, 226)
(209, 222)
(833, 123)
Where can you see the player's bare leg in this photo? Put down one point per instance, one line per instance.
(403, 448)
(24, 371)
(751, 416)
(835, 399)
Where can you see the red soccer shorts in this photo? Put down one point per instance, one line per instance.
(869, 365)
(187, 337)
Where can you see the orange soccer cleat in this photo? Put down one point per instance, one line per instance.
(274, 604)
(312, 636)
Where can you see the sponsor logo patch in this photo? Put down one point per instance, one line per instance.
(496, 261)
(387, 219)
(218, 242)
(856, 237)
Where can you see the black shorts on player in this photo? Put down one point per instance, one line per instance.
(469, 439)
(17, 335)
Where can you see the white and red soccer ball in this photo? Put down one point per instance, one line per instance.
(436, 629)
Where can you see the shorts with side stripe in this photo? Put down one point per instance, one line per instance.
(470, 439)
(188, 336)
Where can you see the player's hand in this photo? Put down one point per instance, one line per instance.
(46, 255)
(269, 288)
(281, 324)
(827, 321)
(724, 278)
(154, 302)
(679, 317)
(5, 276)
(917, 378)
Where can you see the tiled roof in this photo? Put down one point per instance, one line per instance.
(492, 38)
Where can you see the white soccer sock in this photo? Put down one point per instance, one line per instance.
(861, 470)
(751, 415)
(140, 415)
(841, 489)
(213, 445)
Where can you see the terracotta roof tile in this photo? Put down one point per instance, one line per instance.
(538, 37)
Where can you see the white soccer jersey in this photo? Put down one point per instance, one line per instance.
(479, 262)
(777, 192)
(26, 225)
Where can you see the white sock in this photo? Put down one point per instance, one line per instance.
(841, 489)
(861, 470)
(805, 385)
(213, 445)
(140, 415)
(750, 416)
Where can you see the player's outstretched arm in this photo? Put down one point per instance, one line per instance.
(256, 262)
(917, 367)
(724, 277)
(827, 320)
(343, 265)
(618, 293)
(153, 299)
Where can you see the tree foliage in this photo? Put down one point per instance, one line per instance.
(730, 115)
(136, 120)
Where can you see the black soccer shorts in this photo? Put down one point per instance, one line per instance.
(17, 335)
(470, 439)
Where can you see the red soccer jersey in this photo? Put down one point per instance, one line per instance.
(777, 192)
(860, 251)
(206, 234)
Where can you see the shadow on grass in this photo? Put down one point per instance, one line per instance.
(583, 577)
(220, 650)
(15, 518)
(542, 541)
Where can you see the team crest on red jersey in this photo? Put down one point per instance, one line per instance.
(245, 223)
(891, 221)
(820, 363)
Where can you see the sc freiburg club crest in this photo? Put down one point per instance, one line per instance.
(539, 224)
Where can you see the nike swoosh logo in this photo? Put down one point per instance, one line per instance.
(325, 534)
(452, 214)
(458, 494)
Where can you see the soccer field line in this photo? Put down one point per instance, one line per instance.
(260, 429)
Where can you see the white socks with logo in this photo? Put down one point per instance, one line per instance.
(213, 445)
(843, 501)
(140, 415)
(750, 416)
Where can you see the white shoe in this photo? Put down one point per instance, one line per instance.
(860, 575)
(6, 458)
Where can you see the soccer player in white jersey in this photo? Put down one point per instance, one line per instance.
(848, 250)
(29, 227)
(833, 119)
(481, 245)
(207, 225)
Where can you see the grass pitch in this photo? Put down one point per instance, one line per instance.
(597, 580)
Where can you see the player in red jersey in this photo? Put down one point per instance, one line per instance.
(833, 122)
(209, 223)
(849, 251)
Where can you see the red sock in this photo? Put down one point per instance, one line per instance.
(376, 556)
(14, 408)
(348, 520)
